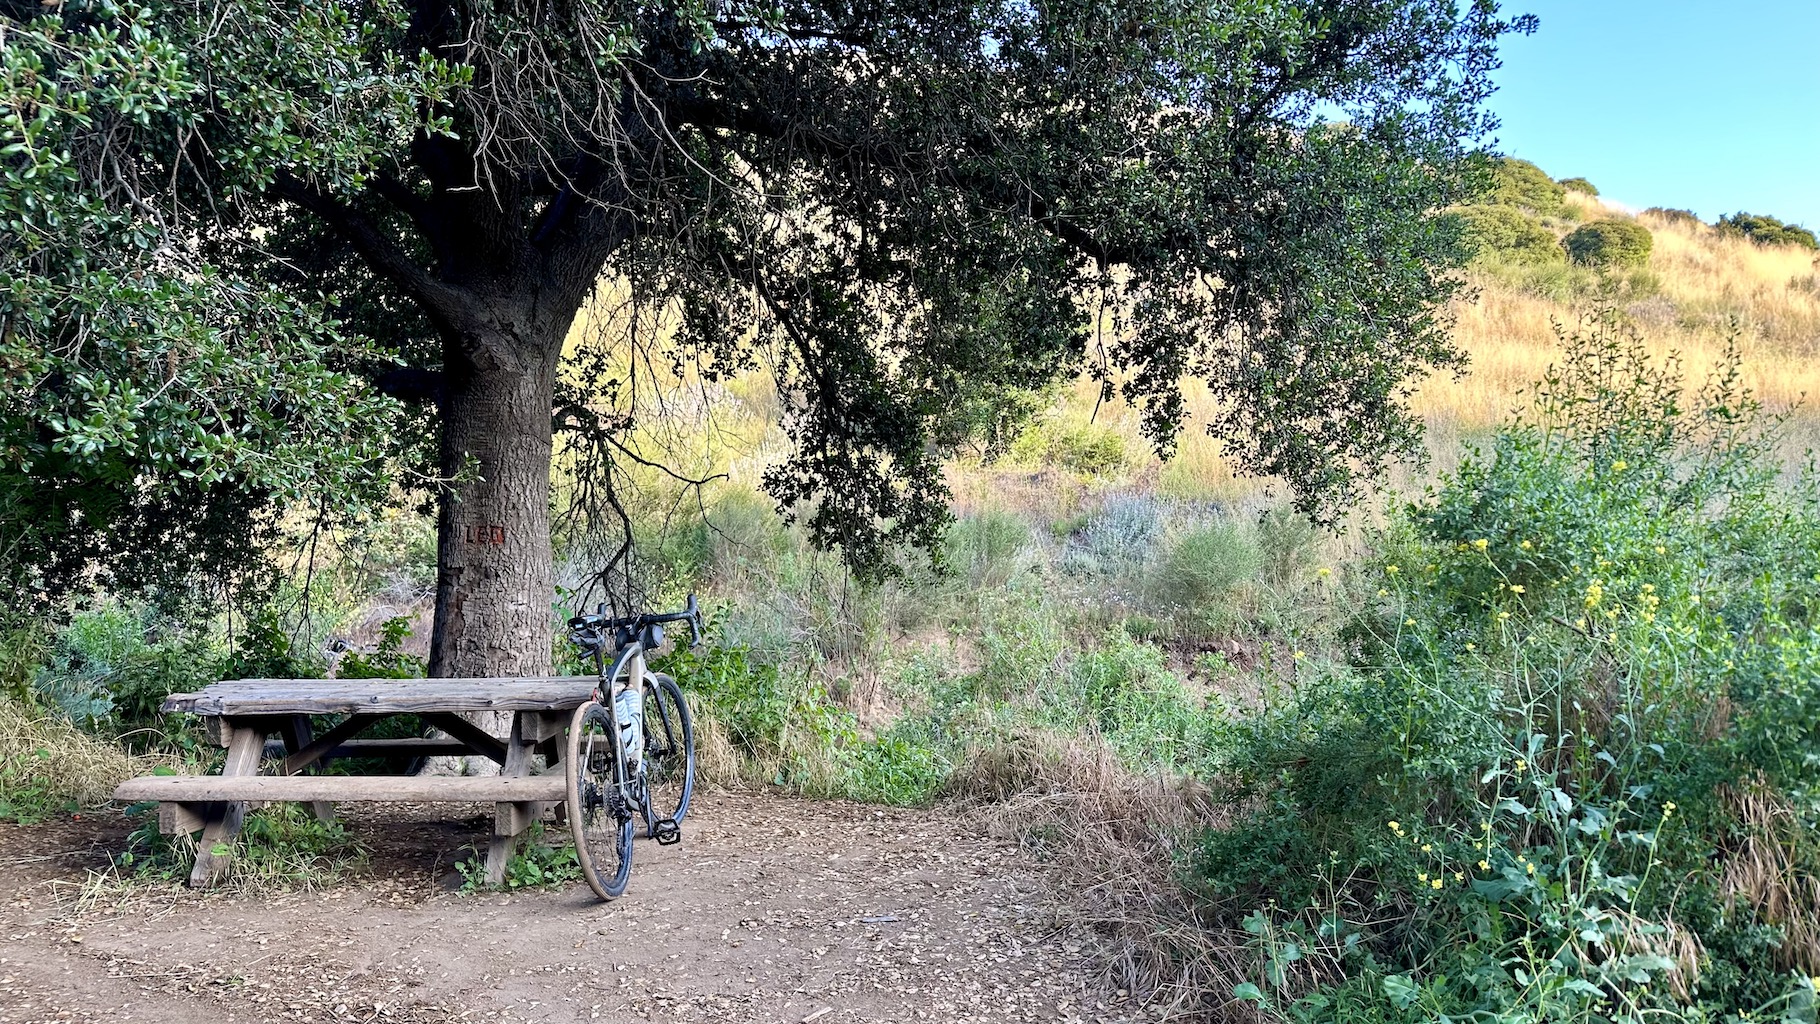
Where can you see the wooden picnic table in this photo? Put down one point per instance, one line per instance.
(243, 713)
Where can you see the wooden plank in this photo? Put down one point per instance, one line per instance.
(511, 818)
(313, 751)
(384, 696)
(478, 740)
(295, 730)
(181, 819)
(400, 748)
(222, 820)
(379, 788)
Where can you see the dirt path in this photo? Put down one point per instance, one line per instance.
(770, 910)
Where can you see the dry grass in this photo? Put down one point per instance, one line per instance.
(50, 756)
(1768, 874)
(1116, 839)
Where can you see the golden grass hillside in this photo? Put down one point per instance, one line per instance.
(1699, 289)
(1707, 287)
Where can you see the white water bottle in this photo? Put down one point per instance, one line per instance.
(629, 710)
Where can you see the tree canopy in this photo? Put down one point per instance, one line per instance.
(257, 253)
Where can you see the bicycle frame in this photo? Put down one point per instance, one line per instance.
(631, 658)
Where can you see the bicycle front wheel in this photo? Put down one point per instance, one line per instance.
(669, 755)
(599, 815)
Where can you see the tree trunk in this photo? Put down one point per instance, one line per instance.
(495, 582)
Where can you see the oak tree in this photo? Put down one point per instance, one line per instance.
(254, 253)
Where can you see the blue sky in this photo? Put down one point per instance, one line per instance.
(1711, 106)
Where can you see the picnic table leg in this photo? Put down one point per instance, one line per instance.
(296, 733)
(510, 819)
(245, 743)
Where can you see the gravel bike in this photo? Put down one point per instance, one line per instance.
(631, 749)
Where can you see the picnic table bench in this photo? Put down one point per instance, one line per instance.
(243, 714)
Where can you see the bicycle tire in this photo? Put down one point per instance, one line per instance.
(599, 818)
(669, 759)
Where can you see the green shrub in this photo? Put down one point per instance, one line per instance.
(1766, 230)
(535, 864)
(985, 549)
(1287, 545)
(1609, 243)
(1580, 185)
(1087, 448)
(1121, 689)
(1506, 234)
(1522, 184)
(904, 766)
(1117, 538)
(1204, 567)
(1672, 215)
(280, 846)
(112, 666)
(1582, 706)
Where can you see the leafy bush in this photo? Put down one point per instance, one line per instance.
(1580, 185)
(1087, 448)
(1672, 215)
(1577, 718)
(112, 666)
(1522, 184)
(1506, 234)
(1766, 230)
(535, 864)
(1120, 536)
(1121, 689)
(984, 549)
(280, 846)
(1203, 568)
(1609, 243)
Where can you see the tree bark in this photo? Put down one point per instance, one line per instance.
(495, 580)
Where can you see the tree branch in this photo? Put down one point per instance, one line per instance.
(450, 308)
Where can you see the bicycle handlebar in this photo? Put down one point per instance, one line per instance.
(591, 630)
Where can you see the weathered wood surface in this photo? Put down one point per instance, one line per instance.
(192, 789)
(241, 697)
(221, 821)
(405, 747)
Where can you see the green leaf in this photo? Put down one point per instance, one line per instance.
(1401, 991)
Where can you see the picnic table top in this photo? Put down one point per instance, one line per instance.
(384, 696)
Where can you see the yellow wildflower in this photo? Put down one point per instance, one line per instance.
(1619, 466)
(1531, 868)
(1522, 764)
(1503, 615)
(1471, 646)
(1394, 826)
(1459, 876)
(1409, 622)
(1323, 571)
(1392, 570)
(1481, 543)
(1383, 593)
(1660, 550)
(1426, 848)
(1485, 865)
(1300, 654)
(1516, 588)
(1526, 545)
(1436, 884)
(1423, 877)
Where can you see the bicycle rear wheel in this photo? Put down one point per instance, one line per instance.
(599, 815)
(669, 756)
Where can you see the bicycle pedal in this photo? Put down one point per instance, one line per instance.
(667, 832)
